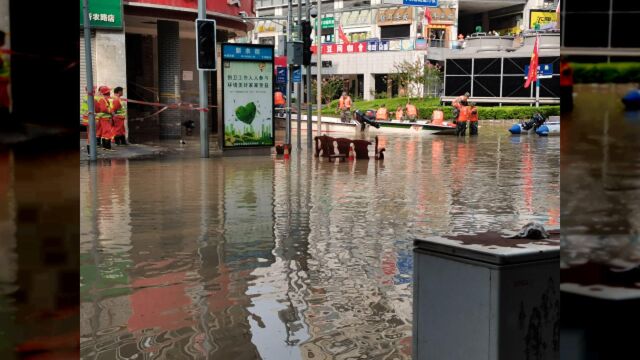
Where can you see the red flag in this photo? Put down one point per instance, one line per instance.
(342, 35)
(427, 15)
(533, 65)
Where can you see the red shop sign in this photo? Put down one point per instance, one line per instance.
(357, 47)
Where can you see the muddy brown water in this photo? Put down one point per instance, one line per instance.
(245, 258)
(601, 189)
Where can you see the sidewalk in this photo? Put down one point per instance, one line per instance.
(156, 149)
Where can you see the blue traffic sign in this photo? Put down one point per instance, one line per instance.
(281, 75)
(432, 3)
(545, 71)
(297, 75)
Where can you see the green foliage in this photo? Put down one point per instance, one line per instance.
(331, 88)
(606, 73)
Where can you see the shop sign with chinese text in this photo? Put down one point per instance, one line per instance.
(330, 49)
(104, 14)
(248, 95)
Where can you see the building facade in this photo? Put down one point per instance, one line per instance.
(383, 33)
(148, 48)
(600, 31)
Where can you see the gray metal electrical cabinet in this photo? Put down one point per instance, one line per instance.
(483, 300)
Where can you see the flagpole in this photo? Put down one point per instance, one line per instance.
(538, 91)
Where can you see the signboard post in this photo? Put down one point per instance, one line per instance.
(297, 74)
(247, 97)
(545, 71)
(104, 14)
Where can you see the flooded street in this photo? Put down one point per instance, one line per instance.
(601, 180)
(246, 258)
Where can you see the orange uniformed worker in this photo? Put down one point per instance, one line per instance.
(458, 102)
(119, 113)
(103, 116)
(465, 115)
(278, 98)
(399, 113)
(566, 85)
(473, 119)
(437, 117)
(345, 107)
(412, 112)
(382, 113)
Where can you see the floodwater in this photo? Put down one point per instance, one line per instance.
(39, 255)
(601, 180)
(248, 258)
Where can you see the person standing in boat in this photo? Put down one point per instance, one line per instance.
(345, 107)
(382, 113)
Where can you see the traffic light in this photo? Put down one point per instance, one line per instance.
(206, 44)
(306, 42)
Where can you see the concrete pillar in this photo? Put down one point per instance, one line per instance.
(111, 61)
(369, 84)
(485, 22)
(169, 77)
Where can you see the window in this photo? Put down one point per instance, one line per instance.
(395, 32)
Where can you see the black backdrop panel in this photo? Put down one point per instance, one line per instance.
(487, 66)
(457, 85)
(486, 86)
(550, 87)
(458, 66)
(513, 86)
(515, 65)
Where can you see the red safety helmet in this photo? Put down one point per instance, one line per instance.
(104, 90)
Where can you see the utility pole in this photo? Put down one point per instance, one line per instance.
(89, 68)
(309, 102)
(319, 66)
(204, 94)
(287, 137)
(299, 95)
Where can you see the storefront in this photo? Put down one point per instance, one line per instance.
(395, 23)
(439, 31)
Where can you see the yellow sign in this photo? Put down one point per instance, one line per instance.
(542, 17)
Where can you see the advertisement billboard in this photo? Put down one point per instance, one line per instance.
(247, 74)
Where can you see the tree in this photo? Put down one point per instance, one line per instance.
(331, 87)
(410, 76)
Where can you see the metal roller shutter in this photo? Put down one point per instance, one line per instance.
(83, 71)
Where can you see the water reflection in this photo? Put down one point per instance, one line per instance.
(38, 283)
(245, 258)
(600, 251)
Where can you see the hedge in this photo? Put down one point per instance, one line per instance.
(606, 73)
(484, 112)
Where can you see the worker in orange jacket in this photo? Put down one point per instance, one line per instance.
(463, 117)
(382, 113)
(103, 116)
(437, 118)
(473, 119)
(345, 107)
(412, 112)
(119, 113)
(566, 86)
(458, 102)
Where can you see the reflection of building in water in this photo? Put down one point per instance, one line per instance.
(353, 308)
(105, 246)
(8, 269)
(45, 296)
